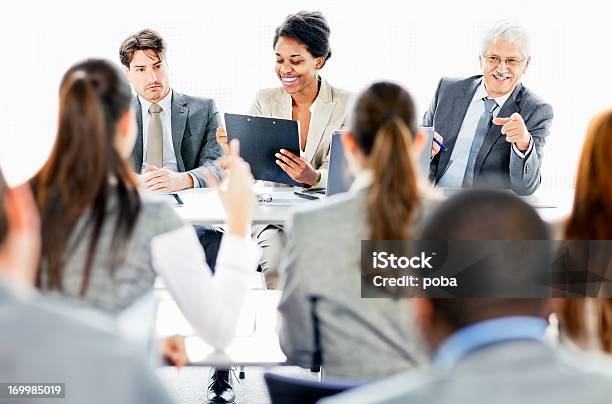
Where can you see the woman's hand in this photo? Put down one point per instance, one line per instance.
(173, 350)
(236, 192)
(297, 168)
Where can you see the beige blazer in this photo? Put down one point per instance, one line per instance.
(330, 113)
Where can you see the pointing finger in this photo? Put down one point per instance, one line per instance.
(500, 121)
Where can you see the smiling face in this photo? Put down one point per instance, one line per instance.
(501, 77)
(295, 66)
(148, 74)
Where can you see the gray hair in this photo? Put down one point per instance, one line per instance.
(508, 32)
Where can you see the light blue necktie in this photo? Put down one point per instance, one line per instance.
(484, 124)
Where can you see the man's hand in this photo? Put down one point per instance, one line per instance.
(236, 192)
(222, 140)
(164, 180)
(435, 148)
(297, 168)
(515, 130)
(173, 350)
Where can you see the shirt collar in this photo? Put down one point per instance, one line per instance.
(481, 92)
(313, 105)
(363, 180)
(165, 103)
(488, 332)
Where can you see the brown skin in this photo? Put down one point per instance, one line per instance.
(296, 68)
(432, 330)
(148, 74)
(435, 330)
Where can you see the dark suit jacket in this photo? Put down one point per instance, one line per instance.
(496, 164)
(194, 124)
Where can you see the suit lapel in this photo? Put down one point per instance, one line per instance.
(179, 122)
(324, 109)
(455, 118)
(137, 153)
(494, 133)
(280, 106)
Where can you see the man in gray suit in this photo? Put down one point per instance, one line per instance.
(493, 127)
(43, 341)
(176, 140)
(488, 350)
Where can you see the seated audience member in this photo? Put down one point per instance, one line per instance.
(104, 243)
(323, 314)
(588, 322)
(43, 341)
(488, 350)
(302, 48)
(175, 140)
(494, 128)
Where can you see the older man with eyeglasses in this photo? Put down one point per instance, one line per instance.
(493, 128)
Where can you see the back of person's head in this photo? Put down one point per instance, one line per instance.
(490, 215)
(145, 40)
(309, 28)
(94, 98)
(591, 216)
(591, 219)
(383, 126)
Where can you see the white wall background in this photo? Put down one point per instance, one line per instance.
(223, 50)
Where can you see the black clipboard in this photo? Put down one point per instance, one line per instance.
(260, 139)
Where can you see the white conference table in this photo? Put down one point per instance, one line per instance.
(203, 207)
(256, 342)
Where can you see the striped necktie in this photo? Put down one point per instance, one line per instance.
(484, 124)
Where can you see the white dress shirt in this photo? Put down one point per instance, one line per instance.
(455, 171)
(210, 303)
(169, 156)
(312, 109)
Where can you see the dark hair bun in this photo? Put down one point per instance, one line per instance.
(309, 28)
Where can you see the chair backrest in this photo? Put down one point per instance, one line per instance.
(284, 389)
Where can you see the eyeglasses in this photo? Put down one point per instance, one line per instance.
(494, 60)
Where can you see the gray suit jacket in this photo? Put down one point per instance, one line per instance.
(194, 125)
(322, 309)
(43, 342)
(114, 291)
(526, 372)
(496, 164)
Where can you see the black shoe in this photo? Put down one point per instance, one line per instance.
(220, 387)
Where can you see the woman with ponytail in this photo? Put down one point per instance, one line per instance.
(588, 322)
(104, 243)
(325, 320)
